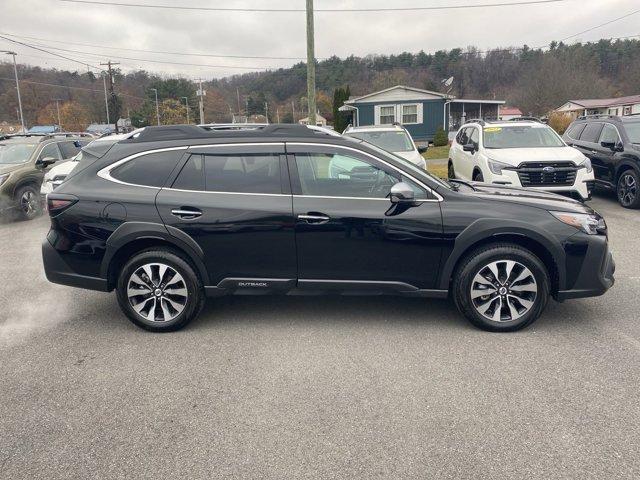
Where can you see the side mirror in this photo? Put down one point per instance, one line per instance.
(402, 192)
(611, 145)
(469, 147)
(46, 161)
(423, 149)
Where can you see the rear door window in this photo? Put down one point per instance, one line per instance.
(591, 132)
(243, 173)
(151, 169)
(609, 134)
(50, 150)
(191, 177)
(69, 149)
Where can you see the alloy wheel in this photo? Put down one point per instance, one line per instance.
(503, 290)
(29, 202)
(627, 189)
(157, 292)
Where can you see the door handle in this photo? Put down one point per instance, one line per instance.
(186, 213)
(316, 218)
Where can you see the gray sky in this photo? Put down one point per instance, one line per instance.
(283, 34)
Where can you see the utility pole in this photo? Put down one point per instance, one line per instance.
(293, 110)
(111, 91)
(311, 65)
(201, 93)
(106, 101)
(238, 95)
(58, 111)
(186, 104)
(266, 111)
(155, 90)
(277, 115)
(15, 71)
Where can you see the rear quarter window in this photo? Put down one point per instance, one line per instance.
(151, 169)
(575, 130)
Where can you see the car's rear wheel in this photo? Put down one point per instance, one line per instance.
(501, 287)
(627, 189)
(27, 200)
(451, 172)
(477, 176)
(159, 291)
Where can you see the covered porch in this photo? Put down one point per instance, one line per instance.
(462, 110)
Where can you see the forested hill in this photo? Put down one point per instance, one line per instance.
(532, 79)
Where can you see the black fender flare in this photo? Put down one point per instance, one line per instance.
(622, 165)
(492, 228)
(131, 231)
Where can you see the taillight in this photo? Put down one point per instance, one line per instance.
(57, 203)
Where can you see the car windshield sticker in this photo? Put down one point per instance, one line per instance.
(493, 129)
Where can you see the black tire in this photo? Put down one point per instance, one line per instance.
(191, 306)
(477, 262)
(27, 202)
(627, 189)
(477, 176)
(451, 173)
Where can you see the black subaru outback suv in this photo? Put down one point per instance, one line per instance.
(612, 144)
(181, 213)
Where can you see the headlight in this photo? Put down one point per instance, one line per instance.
(586, 164)
(588, 223)
(497, 167)
(3, 178)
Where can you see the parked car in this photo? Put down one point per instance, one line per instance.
(392, 138)
(521, 154)
(612, 144)
(181, 213)
(58, 173)
(24, 160)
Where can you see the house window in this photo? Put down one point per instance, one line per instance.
(409, 114)
(387, 114)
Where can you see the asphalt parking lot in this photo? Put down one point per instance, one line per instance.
(314, 387)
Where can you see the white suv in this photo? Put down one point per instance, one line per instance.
(519, 153)
(392, 138)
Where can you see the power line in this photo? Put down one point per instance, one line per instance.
(51, 53)
(214, 55)
(67, 86)
(321, 10)
(601, 25)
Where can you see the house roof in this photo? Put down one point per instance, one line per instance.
(604, 102)
(397, 87)
(510, 111)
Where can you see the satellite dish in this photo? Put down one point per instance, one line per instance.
(448, 81)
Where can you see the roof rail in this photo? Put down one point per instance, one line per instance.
(475, 120)
(185, 132)
(69, 134)
(598, 115)
(525, 118)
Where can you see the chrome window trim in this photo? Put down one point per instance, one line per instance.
(106, 171)
(227, 193)
(429, 189)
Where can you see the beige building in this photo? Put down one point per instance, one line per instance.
(601, 106)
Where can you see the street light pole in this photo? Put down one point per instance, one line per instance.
(186, 104)
(155, 90)
(15, 71)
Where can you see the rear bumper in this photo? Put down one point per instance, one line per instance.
(57, 271)
(596, 275)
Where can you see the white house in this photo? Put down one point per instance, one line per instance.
(598, 106)
(320, 121)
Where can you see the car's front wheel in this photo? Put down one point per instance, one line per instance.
(28, 204)
(627, 190)
(159, 291)
(501, 287)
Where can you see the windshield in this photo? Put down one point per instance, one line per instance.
(394, 141)
(521, 136)
(633, 131)
(408, 165)
(15, 153)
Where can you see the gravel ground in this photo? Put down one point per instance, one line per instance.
(313, 387)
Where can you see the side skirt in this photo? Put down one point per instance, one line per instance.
(289, 286)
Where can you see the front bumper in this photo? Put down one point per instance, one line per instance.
(57, 271)
(595, 274)
(582, 186)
